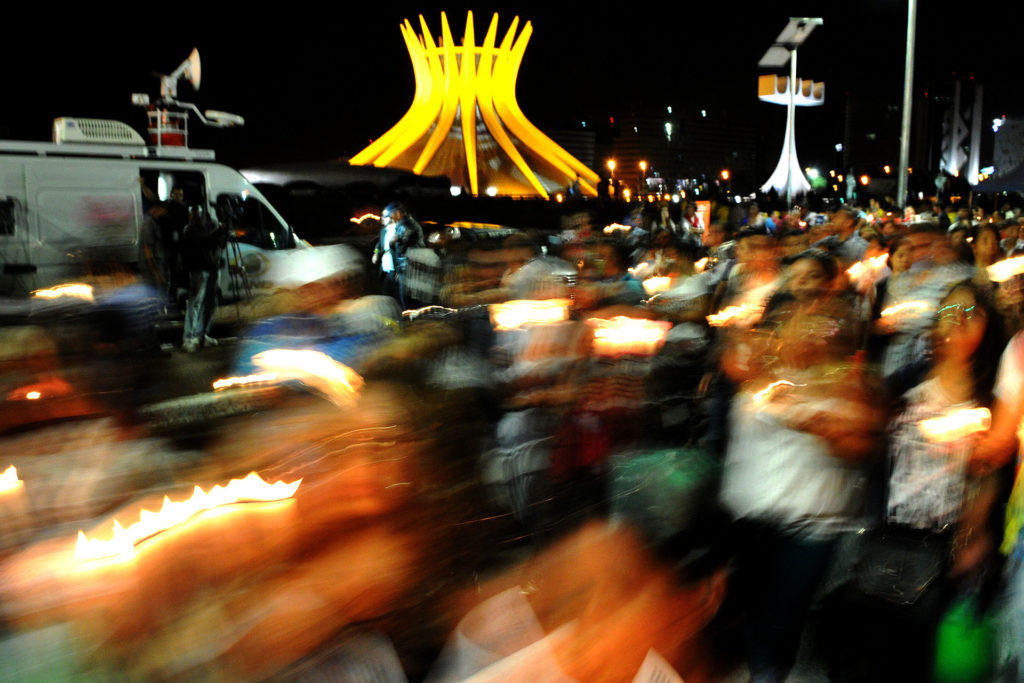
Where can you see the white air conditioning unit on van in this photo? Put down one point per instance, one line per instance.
(94, 131)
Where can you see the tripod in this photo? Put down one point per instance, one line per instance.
(237, 274)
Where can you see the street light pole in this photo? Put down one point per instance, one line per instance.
(791, 127)
(908, 87)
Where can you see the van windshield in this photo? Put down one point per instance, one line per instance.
(254, 224)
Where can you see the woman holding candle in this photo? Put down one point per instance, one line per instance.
(935, 519)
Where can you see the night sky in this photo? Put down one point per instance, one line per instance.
(317, 83)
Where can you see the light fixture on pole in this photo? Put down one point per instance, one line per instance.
(787, 175)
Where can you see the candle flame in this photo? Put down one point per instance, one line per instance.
(512, 315)
(9, 480)
(623, 335)
(123, 540)
(768, 393)
(654, 285)
(337, 381)
(868, 268)
(1001, 271)
(700, 264)
(906, 307)
(745, 313)
(227, 382)
(612, 227)
(956, 425)
(74, 289)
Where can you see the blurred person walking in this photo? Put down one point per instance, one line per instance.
(802, 422)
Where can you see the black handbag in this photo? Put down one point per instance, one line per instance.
(898, 565)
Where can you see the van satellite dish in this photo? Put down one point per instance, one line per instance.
(190, 69)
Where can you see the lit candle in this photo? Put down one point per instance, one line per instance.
(956, 425)
(623, 335)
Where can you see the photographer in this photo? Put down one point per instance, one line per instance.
(202, 247)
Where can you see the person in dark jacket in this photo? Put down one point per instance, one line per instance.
(399, 232)
(202, 246)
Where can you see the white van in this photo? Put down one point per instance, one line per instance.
(60, 202)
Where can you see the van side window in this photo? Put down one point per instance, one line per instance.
(254, 224)
(6, 216)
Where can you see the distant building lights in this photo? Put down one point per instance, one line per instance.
(864, 180)
(703, 113)
(887, 168)
(839, 147)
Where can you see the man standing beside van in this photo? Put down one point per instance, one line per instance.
(202, 245)
(169, 220)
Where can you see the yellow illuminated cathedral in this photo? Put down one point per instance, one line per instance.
(465, 123)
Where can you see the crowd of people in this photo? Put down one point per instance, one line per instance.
(679, 445)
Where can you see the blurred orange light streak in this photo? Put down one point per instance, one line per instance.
(906, 307)
(956, 425)
(337, 381)
(654, 285)
(364, 217)
(743, 313)
(228, 382)
(768, 393)
(623, 335)
(1001, 271)
(9, 480)
(123, 540)
(612, 227)
(73, 289)
(868, 267)
(512, 315)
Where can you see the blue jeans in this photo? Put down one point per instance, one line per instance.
(202, 302)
